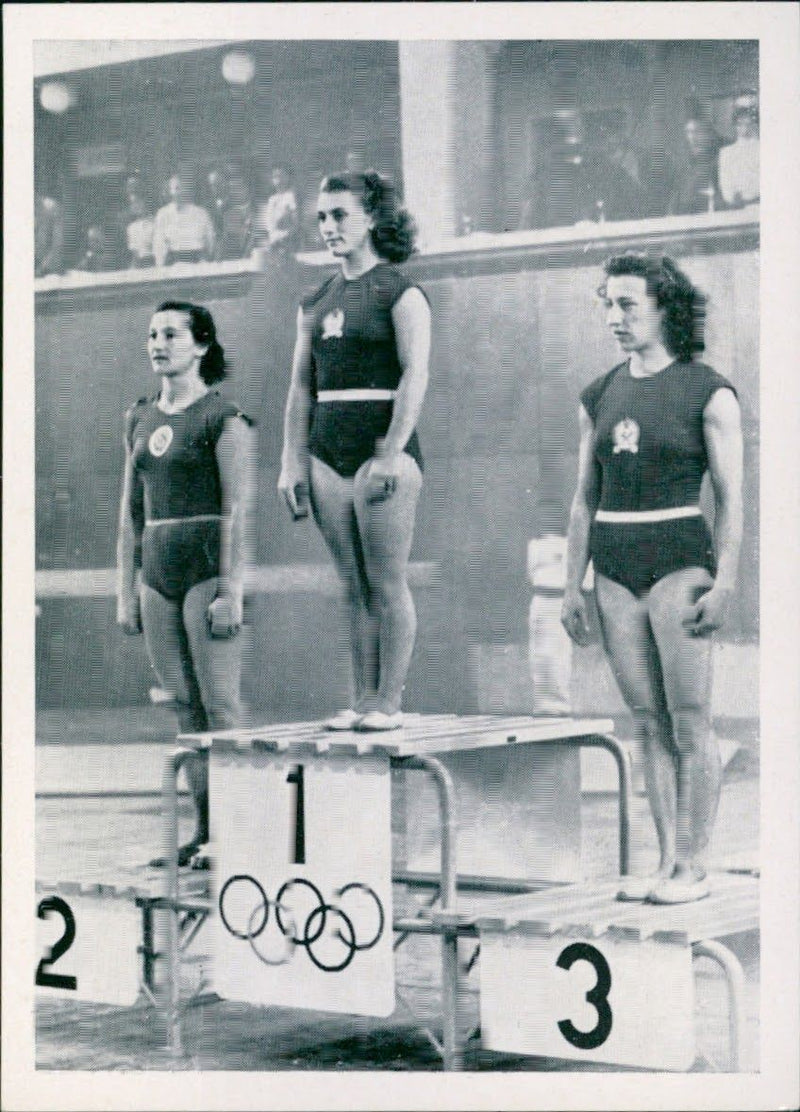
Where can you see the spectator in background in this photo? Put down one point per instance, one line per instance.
(139, 232)
(48, 235)
(98, 253)
(183, 231)
(613, 170)
(645, 176)
(216, 195)
(739, 181)
(237, 231)
(696, 186)
(277, 220)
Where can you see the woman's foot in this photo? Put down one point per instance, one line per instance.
(343, 720)
(684, 886)
(639, 887)
(381, 716)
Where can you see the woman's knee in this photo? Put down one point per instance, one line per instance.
(691, 726)
(390, 592)
(651, 725)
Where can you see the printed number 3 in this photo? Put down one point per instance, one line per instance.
(56, 980)
(597, 997)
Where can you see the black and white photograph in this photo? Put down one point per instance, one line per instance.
(400, 523)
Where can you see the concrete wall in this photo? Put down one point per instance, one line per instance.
(513, 347)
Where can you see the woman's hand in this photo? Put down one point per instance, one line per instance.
(575, 618)
(709, 613)
(129, 616)
(224, 615)
(293, 485)
(381, 479)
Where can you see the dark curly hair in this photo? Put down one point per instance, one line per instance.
(683, 304)
(394, 233)
(213, 365)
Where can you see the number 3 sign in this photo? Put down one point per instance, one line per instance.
(302, 884)
(623, 1002)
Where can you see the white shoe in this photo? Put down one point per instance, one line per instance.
(343, 720)
(377, 720)
(636, 887)
(677, 890)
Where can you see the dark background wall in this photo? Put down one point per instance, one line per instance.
(513, 346)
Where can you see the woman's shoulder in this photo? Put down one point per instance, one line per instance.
(390, 282)
(705, 380)
(139, 407)
(219, 408)
(312, 299)
(591, 394)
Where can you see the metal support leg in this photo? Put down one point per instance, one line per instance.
(623, 760)
(734, 977)
(172, 767)
(452, 1052)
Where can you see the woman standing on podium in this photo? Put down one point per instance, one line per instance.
(649, 431)
(183, 522)
(359, 376)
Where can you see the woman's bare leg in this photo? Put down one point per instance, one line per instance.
(332, 503)
(633, 656)
(386, 530)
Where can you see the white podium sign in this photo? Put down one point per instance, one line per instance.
(88, 946)
(623, 1002)
(302, 889)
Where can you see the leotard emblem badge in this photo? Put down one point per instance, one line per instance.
(160, 440)
(333, 325)
(626, 436)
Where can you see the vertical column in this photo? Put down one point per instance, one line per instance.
(446, 107)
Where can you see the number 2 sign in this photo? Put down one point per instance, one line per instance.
(302, 880)
(89, 946)
(624, 1002)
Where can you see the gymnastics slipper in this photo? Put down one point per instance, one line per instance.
(675, 890)
(636, 887)
(343, 720)
(377, 720)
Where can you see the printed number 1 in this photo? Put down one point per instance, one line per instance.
(296, 778)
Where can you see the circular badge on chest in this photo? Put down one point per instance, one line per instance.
(160, 440)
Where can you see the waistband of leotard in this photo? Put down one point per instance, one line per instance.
(356, 395)
(631, 517)
(182, 520)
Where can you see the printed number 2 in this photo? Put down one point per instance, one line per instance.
(597, 997)
(296, 778)
(56, 980)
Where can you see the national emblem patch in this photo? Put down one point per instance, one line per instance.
(333, 325)
(626, 436)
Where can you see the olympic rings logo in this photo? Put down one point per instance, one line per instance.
(246, 912)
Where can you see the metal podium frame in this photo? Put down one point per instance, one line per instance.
(449, 924)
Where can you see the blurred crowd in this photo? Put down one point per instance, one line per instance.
(220, 213)
(587, 168)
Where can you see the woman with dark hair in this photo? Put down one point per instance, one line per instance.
(650, 430)
(180, 553)
(359, 375)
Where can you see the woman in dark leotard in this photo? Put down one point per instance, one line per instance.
(650, 429)
(182, 522)
(359, 377)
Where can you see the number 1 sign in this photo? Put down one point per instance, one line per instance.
(302, 886)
